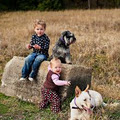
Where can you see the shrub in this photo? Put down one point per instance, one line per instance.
(50, 5)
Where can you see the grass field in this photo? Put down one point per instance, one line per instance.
(97, 46)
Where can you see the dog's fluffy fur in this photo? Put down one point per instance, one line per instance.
(61, 49)
(83, 103)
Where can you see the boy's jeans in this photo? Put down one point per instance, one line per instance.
(32, 63)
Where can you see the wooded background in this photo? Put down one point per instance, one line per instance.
(47, 5)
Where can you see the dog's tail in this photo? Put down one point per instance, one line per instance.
(104, 104)
(50, 58)
(115, 104)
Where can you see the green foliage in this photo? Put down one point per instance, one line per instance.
(26, 4)
(50, 5)
(3, 7)
(18, 4)
(117, 3)
(56, 4)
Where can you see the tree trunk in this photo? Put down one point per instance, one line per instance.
(89, 4)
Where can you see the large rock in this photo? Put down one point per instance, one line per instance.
(31, 91)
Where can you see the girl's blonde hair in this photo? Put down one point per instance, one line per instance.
(39, 22)
(54, 60)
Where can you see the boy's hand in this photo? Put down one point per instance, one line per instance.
(28, 46)
(36, 46)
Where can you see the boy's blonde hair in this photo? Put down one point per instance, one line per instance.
(54, 60)
(39, 22)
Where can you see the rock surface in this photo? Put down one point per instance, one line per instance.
(31, 91)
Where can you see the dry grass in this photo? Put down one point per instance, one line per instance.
(97, 45)
(97, 34)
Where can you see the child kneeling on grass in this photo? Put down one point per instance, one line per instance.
(50, 87)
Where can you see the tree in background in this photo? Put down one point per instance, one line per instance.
(50, 5)
(27, 4)
(89, 5)
(7, 4)
(42, 5)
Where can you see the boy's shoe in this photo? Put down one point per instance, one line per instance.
(30, 79)
(22, 79)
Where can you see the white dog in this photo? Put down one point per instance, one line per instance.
(83, 103)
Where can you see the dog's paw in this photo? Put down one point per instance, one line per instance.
(68, 62)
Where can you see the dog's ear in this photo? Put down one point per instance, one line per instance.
(77, 91)
(64, 33)
(86, 88)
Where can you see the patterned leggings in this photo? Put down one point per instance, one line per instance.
(49, 96)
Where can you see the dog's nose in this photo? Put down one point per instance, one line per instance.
(74, 37)
(91, 106)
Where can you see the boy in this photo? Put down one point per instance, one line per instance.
(40, 45)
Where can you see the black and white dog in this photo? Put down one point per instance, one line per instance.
(61, 49)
